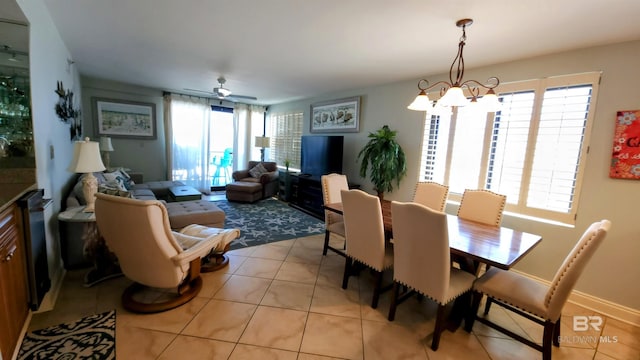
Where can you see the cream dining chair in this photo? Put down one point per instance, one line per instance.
(482, 206)
(332, 185)
(422, 261)
(431, 194)
(364, 229)
(536, 301)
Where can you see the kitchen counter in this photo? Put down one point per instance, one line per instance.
(15, 182)
(11, 192)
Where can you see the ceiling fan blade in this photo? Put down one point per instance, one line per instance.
(201, 91)
(242, 97)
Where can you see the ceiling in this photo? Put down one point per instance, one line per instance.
(283, 50)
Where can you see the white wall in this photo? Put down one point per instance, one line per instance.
(612, 274)
(53, 147)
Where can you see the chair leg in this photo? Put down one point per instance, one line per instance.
(473, 311)
(376, 289)
(547, 339)
(487, 305)
(347, 272)
(394, 301)
(439, 327)
(556, 333)
(327, 235)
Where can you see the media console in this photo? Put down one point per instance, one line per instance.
(309, 195)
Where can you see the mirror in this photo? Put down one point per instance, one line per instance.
(16, 126)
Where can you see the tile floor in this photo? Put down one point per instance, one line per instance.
(284, 301)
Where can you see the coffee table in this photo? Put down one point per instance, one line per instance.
(184, 193)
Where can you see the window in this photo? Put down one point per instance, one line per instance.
(532, 150)
(285, 130)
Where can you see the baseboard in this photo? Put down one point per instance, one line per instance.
(50, 298)
(605, 307)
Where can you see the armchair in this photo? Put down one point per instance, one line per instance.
(268, 181)
(154, 256)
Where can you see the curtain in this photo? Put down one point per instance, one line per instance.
(248, 123)
(188, 121)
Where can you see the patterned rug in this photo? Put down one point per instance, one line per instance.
(92, 337)
(267, 221)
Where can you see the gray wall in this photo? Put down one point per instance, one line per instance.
(145, 156)
(615, 267)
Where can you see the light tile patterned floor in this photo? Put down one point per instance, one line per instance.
(284, 301)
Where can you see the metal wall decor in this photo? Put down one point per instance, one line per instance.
(67, 113)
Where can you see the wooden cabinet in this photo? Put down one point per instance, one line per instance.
(288, 186)
(14, 307)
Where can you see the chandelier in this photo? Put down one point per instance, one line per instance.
(451, 93)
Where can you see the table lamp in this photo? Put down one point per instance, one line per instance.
(106, 147)
(86, 160)
(263, 143)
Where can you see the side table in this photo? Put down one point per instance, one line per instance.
(94, 248)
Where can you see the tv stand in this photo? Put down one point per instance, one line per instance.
(309, 196)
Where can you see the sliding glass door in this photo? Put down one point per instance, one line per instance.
(221, 146)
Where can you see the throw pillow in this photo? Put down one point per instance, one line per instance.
(257, 171)
(109, 190)
(119, 179)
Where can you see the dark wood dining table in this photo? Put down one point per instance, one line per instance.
(478, 243)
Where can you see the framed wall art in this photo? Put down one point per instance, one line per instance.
(625, 158)
(125, 119)
(342, 115)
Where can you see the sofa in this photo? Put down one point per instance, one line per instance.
(181, 214)
(258, 181)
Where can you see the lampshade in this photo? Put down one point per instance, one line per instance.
(490, 101)
(262, 141)
(421, 102)
(86, 157)
(105, 144)
(453, 97)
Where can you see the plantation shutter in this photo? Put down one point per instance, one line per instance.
(558, 149)
(285, 133)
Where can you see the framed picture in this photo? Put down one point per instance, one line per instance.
(341, 115)
(125, 119)
(625, 157)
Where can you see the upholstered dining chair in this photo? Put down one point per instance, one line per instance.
(536, 301)
(422, 261)
(482, 206)
(154, 256)
(364, 229)
(431, 194)
(332, 185)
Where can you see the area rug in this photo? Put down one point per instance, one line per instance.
(92, 337)
(266, 221)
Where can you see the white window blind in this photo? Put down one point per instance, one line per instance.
(532, 150)
(285, 130)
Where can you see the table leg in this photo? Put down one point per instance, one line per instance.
(104, 261)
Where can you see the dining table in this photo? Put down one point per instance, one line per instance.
(478, 243)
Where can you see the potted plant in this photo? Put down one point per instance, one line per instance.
(386, 158)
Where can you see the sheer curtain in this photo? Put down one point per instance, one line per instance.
(188, 122)
(248, 123)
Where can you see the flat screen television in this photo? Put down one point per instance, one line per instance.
(321, 155)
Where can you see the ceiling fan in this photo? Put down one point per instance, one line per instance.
(223, 93)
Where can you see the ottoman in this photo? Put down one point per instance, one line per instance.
(199, 212)
(244, 191)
